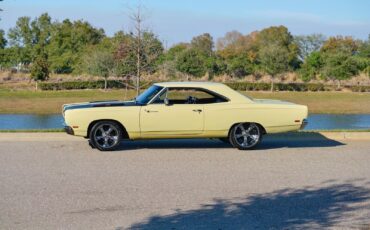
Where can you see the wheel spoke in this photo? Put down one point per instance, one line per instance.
(113, 139)
(106, 143)
(109, 130)
(254, 137)
(245, 140)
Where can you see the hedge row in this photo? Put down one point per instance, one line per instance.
(247, 86)
(111, 84)
(242, 86)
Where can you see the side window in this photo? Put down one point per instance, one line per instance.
(160, 99)
(189, 96)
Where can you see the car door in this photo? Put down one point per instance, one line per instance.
(178, 117)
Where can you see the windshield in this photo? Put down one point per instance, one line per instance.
(148, 94)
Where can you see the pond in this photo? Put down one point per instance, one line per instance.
(315, 121)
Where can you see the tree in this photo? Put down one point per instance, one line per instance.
(3, 40)
(364, 50)
(308, 44)
(100, 63)
(137, 19)
(274, 60)
(215, 65)
(339, 58)
(40, 68)
(340, 44)
(68, 43)
(232, 38)
(143, 46)
(239, 66)
(203, 43)
(363, 56)
(312, 66)
(126, 55)
(279, 37)
(191, 62)
(234, 44)
(20, 37)
(339, 66)
(175, 50)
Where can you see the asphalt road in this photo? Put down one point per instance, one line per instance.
(55, 181)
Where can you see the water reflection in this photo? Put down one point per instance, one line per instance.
(338, 121)
(316, 121)
(30, 121)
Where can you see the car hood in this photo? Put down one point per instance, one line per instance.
(93, 104)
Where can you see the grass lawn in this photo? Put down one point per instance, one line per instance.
(49, 102)
(324, 102)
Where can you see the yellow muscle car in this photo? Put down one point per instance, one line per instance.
(183, 110)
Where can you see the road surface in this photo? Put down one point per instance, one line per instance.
(55, 181)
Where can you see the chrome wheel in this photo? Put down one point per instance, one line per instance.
(105, 135)
(245, 135)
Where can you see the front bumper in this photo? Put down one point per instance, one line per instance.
(304, 123)
(69, 130)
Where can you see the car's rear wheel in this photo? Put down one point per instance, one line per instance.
(106, 135)
(245, 135)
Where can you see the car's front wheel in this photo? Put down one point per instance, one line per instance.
(245, 135)
(106, 135)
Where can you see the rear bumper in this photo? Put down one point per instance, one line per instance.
(69, 130)
(304, 123)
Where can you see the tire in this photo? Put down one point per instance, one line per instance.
(245, 136)
(91, 145)
(106, 135)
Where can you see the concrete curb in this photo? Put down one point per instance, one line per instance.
(38, 137)
(346, 135)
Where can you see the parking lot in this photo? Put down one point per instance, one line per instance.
(55, 181)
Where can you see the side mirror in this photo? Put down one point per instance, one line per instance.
(166, 101)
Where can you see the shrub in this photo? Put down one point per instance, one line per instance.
(68, 85)
(243, 86)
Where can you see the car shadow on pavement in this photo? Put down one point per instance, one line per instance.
(310, 207)
(286, 140)
(297, 140)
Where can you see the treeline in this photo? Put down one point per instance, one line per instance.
(42, 46)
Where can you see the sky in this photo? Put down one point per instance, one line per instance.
(178, 21)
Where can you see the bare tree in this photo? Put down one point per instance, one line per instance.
(137, 20)
(138, 51)
(308, 44)
(141, 49)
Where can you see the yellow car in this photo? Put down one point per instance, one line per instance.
(183, 110)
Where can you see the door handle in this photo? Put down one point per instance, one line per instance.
(150, 111)
(197, 110)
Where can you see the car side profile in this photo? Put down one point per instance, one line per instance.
(183, 110)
